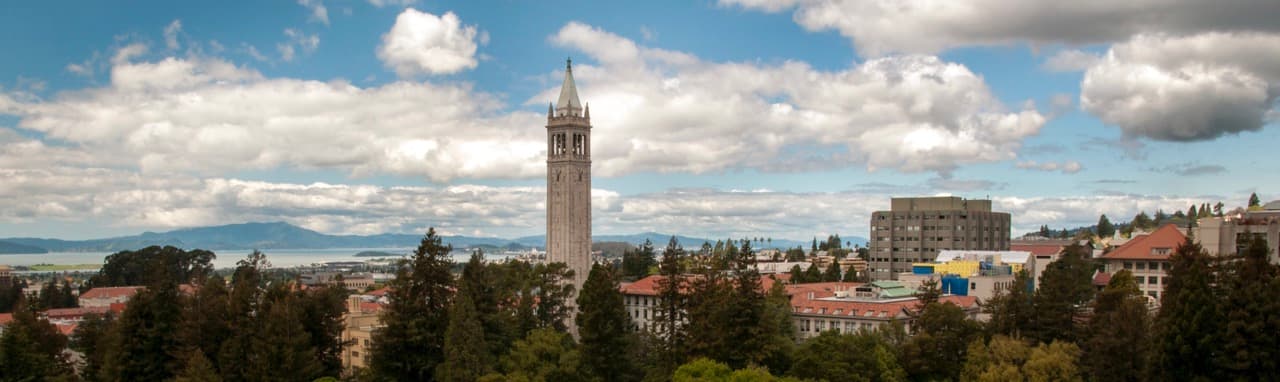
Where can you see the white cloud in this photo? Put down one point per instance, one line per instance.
(1186, 88)
(392, 3)
(1071, 60)
(929, 26)
(83, 70)
(421, 42)
(318, 11)
(659, 110)
(128, 53)
(1067, 167)
(288, 49)
(171, 34)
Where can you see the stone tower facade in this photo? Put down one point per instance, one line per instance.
(569, 181)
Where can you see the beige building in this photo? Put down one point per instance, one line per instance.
(569, 181)
(1225, 235)
(915, 229)
(1147, 257)
(850, 307)
(360, 322)
(104, 297)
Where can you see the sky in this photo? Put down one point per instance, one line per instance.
(729, 118)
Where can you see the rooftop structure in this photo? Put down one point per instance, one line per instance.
(1147, 257)
(915, 230)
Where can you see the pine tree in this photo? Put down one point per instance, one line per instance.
(668, 324)
(487, 294)
(1188, 328)
(604, 328)
(148, 336)
(243, 307)
(1011, 310)
(206, 322)
(1065, 286)
(1217, 209)
(466, 357)
(31, 349)
(813, 274)
(797, 275)
(833, 272)
(1250, 307)
(411, 343)
(197, 368)
(282, 348)
(937, 351)
(323, 312)
(1105, 228)
(91, 339)
(1254, 201)
(1117, 337)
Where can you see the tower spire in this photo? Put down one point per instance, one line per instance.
(568, 103)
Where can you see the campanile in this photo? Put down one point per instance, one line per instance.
(569, 180)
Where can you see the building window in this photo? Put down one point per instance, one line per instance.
(1140, 280)
(1141, 266)
(1152, 280)
(1128, 265)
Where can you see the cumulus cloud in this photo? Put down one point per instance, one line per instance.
(297, 40)
(392, 3)
(319, 13)
(1187, 88)
(667, 111)
(1067, 167)
(926, 26)
(423, 43)
(1070, 60)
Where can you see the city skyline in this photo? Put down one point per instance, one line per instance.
(738, 118)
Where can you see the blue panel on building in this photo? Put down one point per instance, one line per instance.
(922, 270)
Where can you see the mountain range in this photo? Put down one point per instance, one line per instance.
(280, 235)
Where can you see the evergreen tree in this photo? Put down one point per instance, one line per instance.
(797, 275)
(668, 323)
(813, 274)
(1105, 228)
(1142, 221)
(1116, 339)
(31, 350)
(147, 335)
(833, 272)
(1254, 201)
(636, 264)
(282, 348)
(1011, 310)
(411, 343)
(604, 327)
(1251, 307)
(465, 355)
(243, 307)
(90, 338)
(206, 319)
(197, 368)
(323, 311)
(832, 356)
(850, 275)
(1217, 209)
(1188, 327)
(937, 351)
(488, 296)
(1065, 288)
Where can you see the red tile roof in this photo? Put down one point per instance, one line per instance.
(66, 327)
(648, 286)
(379, 292)
(1101, 279)
(111, 292)
(801, 304)
(1038, 249)
(1141, 247)
(74, 312)
(6, 318)
(370, 307)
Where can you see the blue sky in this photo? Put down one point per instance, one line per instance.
(788, 118)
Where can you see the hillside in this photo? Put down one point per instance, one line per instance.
(8, 248)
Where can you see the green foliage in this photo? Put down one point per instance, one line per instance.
(1055, 361)
(546, 355)
(1251, 307)
(489, 294)
(667, 335)
(813, 274)
(197, 368)
(91, 339)
(412, 343)
(466, 356)
(833, 356)
(1011, 311)
(1065, 288)
(604, 328)
(833, 272)
(1116, 339)
(1105, 228)
(705, 370)
(1010, 359)
(637, 263)
(1254, 201)
(1189, 325)
(31, 350)
(937, 351)
(146, 339)
(148, 265)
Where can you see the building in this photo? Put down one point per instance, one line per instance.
(980, 274)
(850, 307)
(1043, 252)
(569, 181)
(1225, 235)
(914, 230)
(352, 281)
(104, 297)
(1147, 257)
(359, 323)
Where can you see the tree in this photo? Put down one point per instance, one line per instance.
(281, 347)
(1105, 228)
(1055, 361)
(31, 349)
(833, 356)
(1252, 319)
(1142, 221)
(1065, 288)
(1189, 325)
(1217, 209)
(833, 272)
(1254, 201)
(668, 323)
(636, 264)
(142, 267)
(813, 274)
(997, 360)
(604, 327)
(412, 343)
(243, 307)
(1011, 310)
(147, 336)
(206, 322)
(797, 275)
(1116, 339)
(546, 355)
(489, 295)
(466, 357)
(197, 368)
(937, 351)
(91, 339)
(322, 311)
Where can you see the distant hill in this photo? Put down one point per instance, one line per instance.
(8, 248)
(280, 235)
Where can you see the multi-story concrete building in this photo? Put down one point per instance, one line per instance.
(915, 229)
(569, 181)
(361, 320)
(1226, 235)
(980, 274)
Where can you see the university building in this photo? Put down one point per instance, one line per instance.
(915, 230)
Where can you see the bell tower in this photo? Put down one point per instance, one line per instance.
(569, 180)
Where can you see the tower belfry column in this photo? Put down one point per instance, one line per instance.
(569, 181)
